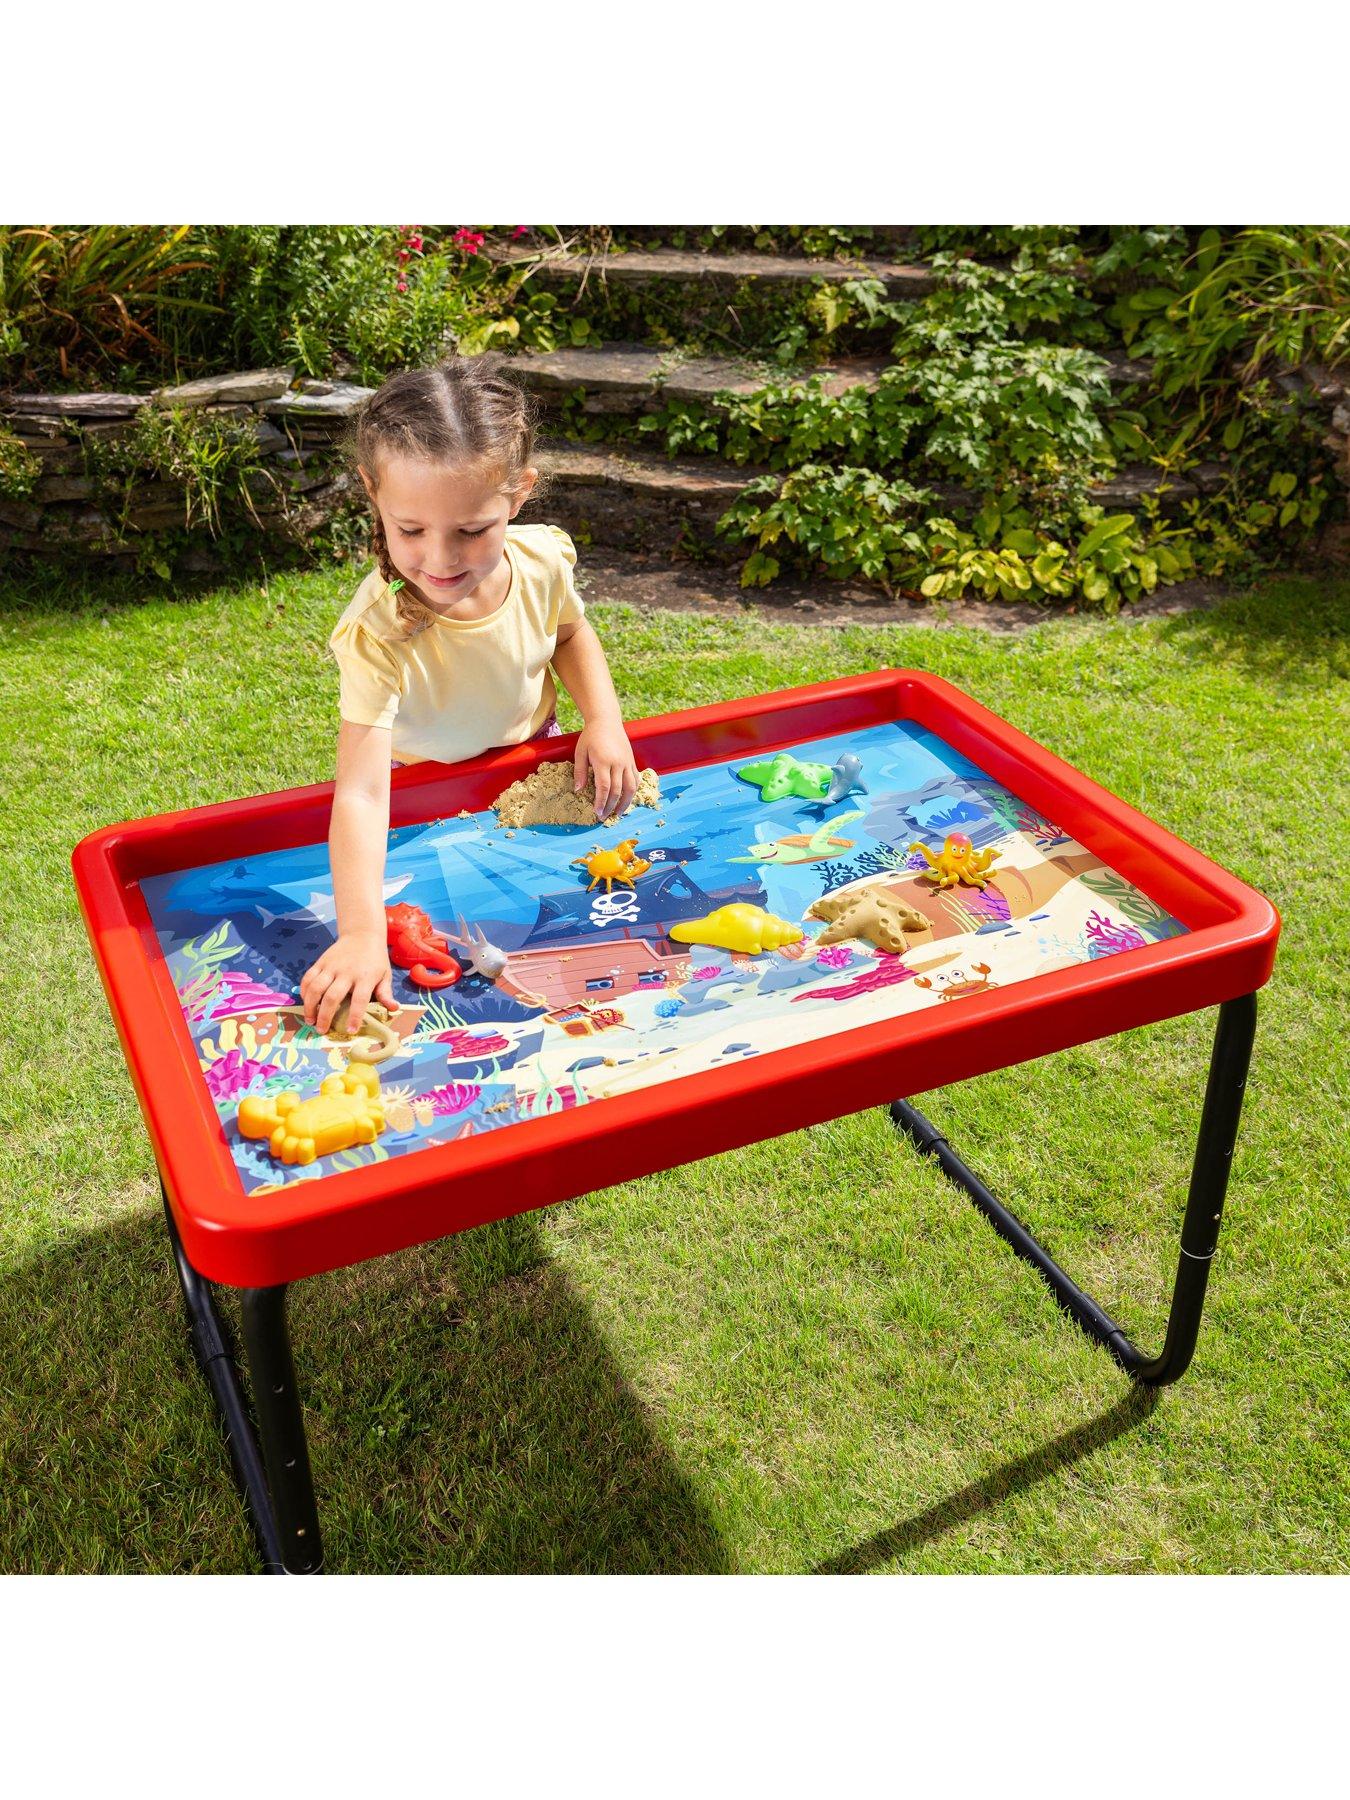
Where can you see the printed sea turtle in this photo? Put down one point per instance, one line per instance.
(787, 852)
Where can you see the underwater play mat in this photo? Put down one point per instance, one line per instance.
(597, 998)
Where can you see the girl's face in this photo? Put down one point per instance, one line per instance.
(445, 527)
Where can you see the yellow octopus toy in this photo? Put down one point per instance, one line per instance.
(958, 860)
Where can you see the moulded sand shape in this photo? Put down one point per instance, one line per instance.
(546, 798)
(876, 914)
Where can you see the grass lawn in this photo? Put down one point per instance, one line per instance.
(811, 1354)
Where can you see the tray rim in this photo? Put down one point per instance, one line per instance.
(311, 1227)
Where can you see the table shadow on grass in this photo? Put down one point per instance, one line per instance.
(464, 1415)
(991, 1490)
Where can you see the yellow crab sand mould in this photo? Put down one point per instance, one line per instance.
(748, 929)
(345, 1111)
(619, 864)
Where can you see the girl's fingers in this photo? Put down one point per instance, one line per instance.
(312, 985)
(579, 766)
(623, 786)
(356, 1012)
(334, 997)
(601, 792)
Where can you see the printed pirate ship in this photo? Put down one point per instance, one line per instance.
(587, 948)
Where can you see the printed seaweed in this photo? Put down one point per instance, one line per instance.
(1151, 918)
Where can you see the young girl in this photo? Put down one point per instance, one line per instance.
(446, 647)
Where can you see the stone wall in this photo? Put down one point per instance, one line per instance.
(301, 480)
(299, 484)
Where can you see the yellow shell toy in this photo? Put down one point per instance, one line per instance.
(748, 929)
(346, 1110)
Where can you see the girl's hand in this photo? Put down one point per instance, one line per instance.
(357, 964)
(605, 747)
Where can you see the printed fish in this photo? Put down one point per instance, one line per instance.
(798, 848)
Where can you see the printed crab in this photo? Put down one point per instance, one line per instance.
(958, 860)
(346, 1110)
(609, 866)
(956, 984)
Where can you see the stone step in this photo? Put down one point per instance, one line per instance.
(631, 500)
(900, 280)
(628, 378)
(624, 378)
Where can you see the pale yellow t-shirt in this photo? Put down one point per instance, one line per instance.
(461, 685)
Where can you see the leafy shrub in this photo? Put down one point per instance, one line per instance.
(72, 295)
(851, 522)
(20, 469)
(212, 457)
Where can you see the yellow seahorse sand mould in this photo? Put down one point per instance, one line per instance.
(346, 1110)
(748, 929)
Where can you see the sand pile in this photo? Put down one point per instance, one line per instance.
(546, 798)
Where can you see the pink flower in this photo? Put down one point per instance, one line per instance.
(403, 255)
(520, 231)
(402, 287)
(414, 243)
(469, 240)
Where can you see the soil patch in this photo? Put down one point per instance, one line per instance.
(612, 576)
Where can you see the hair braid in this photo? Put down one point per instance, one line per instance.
(379, 545)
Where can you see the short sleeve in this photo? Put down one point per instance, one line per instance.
(370, 686)
(572, 610)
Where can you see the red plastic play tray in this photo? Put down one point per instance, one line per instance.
(1223, 947)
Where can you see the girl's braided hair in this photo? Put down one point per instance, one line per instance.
(463, 410)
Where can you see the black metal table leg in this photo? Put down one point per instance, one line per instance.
(1200, 1227)
(281, 1423)
(287, 1529)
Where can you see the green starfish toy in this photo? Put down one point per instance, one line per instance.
(784, 775)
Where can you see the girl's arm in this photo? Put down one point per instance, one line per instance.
(580, 663)
(357, 963)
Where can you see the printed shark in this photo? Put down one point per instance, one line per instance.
(322, 908)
